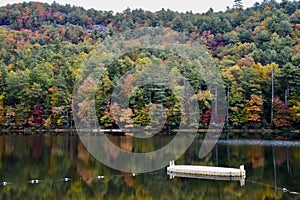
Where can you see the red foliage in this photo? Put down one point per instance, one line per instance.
(205, 118)
(208, 118)
(281, 114)
(213, 41)
(38, 115)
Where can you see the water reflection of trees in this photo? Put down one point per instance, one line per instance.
(51, 158)
(255, 156)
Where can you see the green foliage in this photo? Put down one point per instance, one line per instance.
(44, 47)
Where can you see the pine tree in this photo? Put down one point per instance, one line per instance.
(238, 4)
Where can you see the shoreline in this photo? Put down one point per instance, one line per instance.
(58, 130)
(274, 134)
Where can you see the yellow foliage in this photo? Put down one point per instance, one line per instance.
(143, 61)
(2, 96)
(233, 73)
(84, 55)
(263, 73)
(295, 112)
(48, 122)
(205, 96)
(254, 108)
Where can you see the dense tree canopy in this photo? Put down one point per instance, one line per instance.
(43, 48)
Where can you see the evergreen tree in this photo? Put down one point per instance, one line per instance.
(238, 4)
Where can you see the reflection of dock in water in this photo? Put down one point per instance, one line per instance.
(111, 131)
(207, 172)
(217, 178)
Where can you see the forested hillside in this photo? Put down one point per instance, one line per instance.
(43, 48)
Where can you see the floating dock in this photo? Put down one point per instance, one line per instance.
(205, 177)
(207, 170)
(110, 131)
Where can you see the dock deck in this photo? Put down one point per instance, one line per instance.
(207, 170)
(205, 177)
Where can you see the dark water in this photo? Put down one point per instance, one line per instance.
(270, 167)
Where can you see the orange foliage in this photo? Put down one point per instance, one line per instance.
(254, 108)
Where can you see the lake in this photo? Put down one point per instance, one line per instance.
(59, 167)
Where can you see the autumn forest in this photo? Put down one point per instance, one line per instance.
(43, 48)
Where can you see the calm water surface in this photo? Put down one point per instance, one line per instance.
(270, 166)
